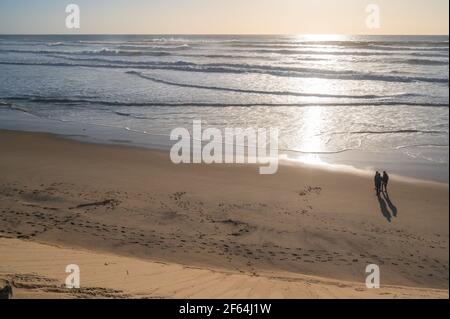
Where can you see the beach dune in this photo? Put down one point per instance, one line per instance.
(140, 226)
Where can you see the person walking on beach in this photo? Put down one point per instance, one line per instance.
(377, 181)
(385, 181)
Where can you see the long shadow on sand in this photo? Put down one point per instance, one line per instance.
(384, 209)
(392, 207)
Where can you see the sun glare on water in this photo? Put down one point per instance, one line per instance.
(322, 37)
(312, 123)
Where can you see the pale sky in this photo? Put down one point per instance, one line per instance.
(225, 16)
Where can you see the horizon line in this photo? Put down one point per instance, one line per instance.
(240, 34)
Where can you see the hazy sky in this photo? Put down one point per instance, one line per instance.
(225, 16)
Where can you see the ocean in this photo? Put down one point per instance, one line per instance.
(368, 102)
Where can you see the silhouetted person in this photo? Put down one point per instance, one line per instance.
(385, 181)
(377, 181)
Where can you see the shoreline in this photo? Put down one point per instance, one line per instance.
(283, 159)
(353, 161)
(134, 202)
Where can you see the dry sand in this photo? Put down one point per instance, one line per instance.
(209, 231)
(110, 276)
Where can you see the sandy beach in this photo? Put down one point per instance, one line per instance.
(139, 226)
